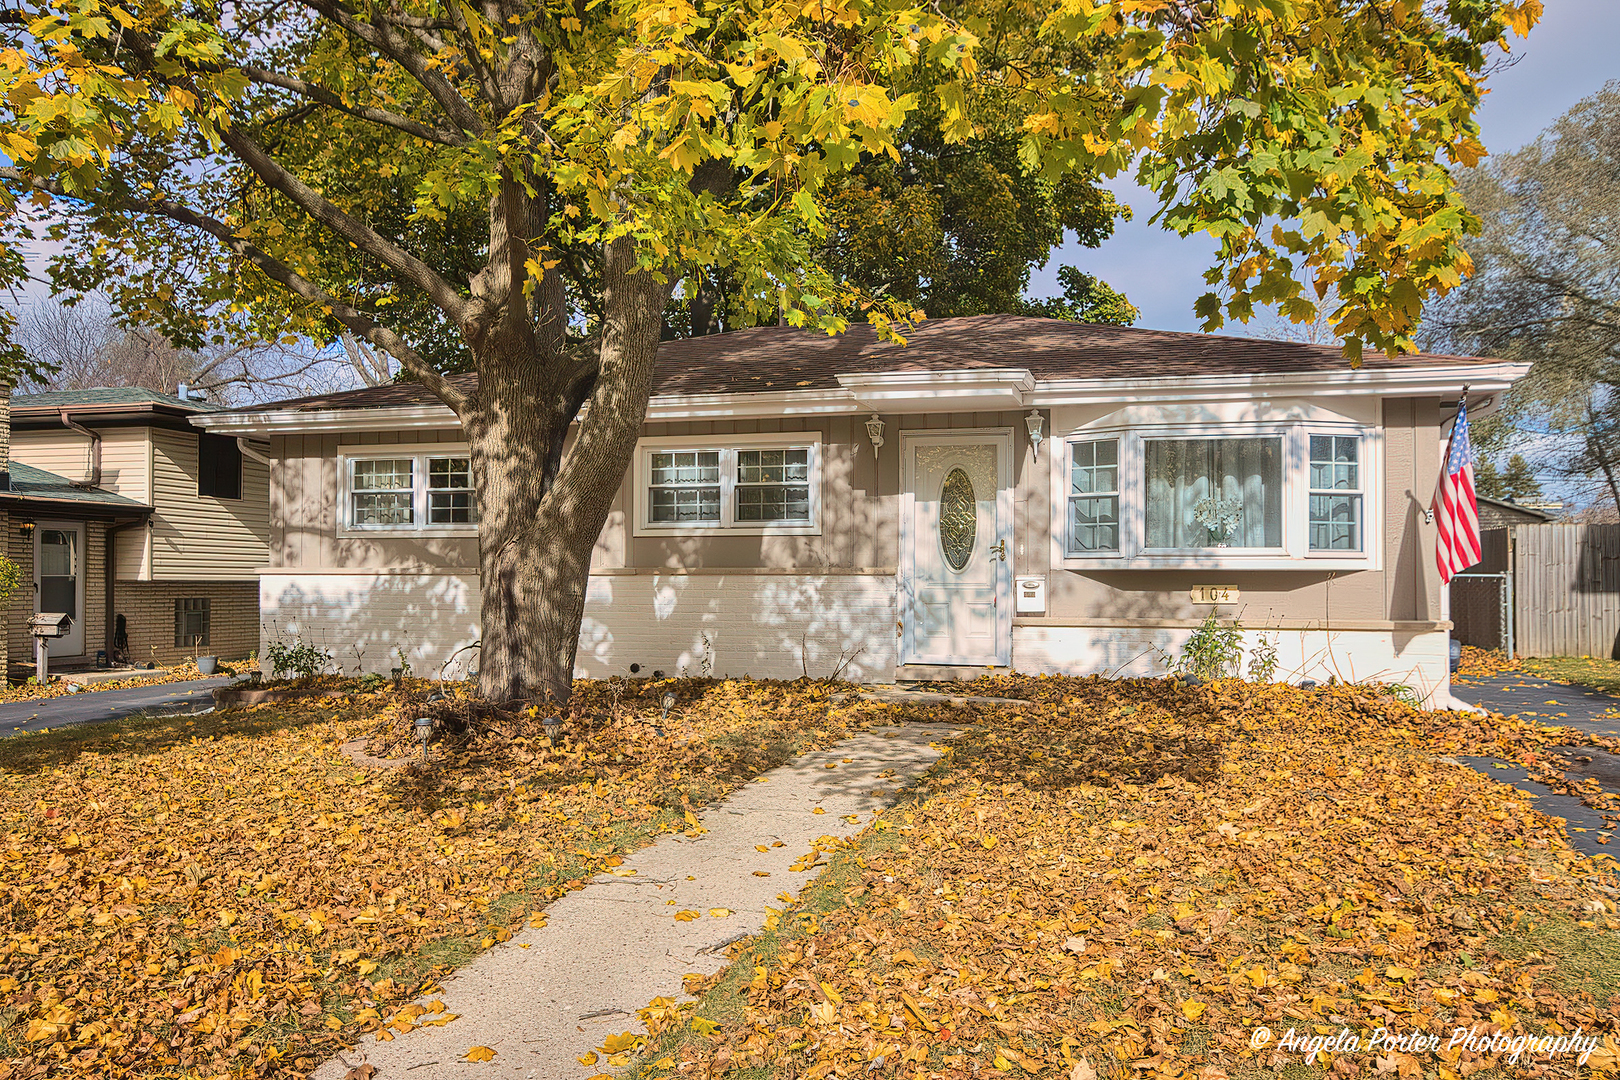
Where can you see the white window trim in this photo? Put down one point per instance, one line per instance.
(420, 452)
(641, 472)
(1295, 554)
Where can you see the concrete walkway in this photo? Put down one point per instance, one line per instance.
(551, 995)
(95, 706)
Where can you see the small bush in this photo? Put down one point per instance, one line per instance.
(1263, 659)
(298, 659)
(1215, 651)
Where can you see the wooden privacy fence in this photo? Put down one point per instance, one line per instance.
(1567, 588)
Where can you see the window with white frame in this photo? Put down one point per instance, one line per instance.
(411, 492)
(1094, 495)
(1202, 495)
(684, 487)
(451, 499)
(382, 492)
(1335, 520)
(749, 483)
(1212, 493)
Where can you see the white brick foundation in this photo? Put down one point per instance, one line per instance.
(764, 625)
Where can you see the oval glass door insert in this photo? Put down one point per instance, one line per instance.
(958, 519)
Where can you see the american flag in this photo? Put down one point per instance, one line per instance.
(1454, 507)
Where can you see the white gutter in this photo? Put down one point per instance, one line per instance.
(979, 390)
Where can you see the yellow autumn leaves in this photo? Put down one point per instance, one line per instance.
(1172, 868)
(238, 883)
(690, 916)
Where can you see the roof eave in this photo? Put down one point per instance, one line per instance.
(974, 390)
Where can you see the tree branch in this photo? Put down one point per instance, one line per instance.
(355, 320)
(382, 37)
(323, 96)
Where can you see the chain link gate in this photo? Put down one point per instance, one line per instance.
(1482, 611)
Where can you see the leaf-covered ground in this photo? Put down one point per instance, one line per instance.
(234, 895)
(1593, 672)
(1129, 879)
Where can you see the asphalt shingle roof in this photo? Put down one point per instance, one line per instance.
(785, 358)
(30, 483)
(105, 396)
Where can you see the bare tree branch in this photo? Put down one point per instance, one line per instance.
(360, 324)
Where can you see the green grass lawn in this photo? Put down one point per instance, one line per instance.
(1588, 671)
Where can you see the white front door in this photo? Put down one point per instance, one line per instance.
(956, 548)
(59, 579)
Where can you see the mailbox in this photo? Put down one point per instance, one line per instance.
(48, 624)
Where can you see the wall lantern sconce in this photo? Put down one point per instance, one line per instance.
(1033, 423)
(874, 431)
(26, 528)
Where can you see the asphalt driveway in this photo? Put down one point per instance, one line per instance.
(1553, 703)
(1556, 705)
(92, 706)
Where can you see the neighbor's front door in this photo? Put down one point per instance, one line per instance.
(956, 540)
(59, 579)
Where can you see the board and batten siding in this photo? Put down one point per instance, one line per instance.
(198, 537)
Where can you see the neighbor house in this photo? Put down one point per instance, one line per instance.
(147, 531)
(1002, 493)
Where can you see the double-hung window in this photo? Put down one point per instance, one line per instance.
(1335, 493)
(383, 492)
(1094, 496)
(410, 492)
(746, 483)
(684, 487)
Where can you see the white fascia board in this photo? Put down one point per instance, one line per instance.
(1429, 379)
(924, 391)
(316, 421)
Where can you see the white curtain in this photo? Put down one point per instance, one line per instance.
(1205, 492)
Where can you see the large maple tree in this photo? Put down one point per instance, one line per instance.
(522, 183)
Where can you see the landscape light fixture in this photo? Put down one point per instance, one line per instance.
(874, 431)
(424, 730)
(1033, 423)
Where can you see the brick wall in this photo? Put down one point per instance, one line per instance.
(148, 608)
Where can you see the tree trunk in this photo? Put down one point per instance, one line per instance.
(543, 502)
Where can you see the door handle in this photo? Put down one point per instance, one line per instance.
(998, 550)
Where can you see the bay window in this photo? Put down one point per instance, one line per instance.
(409, 492)
(1235, 494)
(749, 483)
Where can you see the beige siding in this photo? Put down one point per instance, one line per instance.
(65, 453)
(125, 458)
(860, 508)
(200, 538)
(126, 469)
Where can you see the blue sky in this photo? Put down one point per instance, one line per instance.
(1569, 55)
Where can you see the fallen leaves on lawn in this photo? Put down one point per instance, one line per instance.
(1170, 868)
(231, 894)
